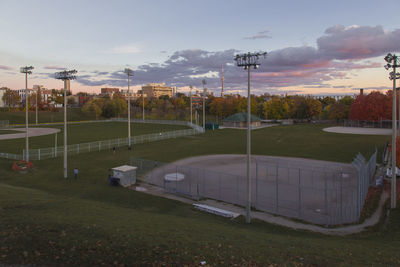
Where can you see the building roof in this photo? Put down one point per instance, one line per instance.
(241, 117)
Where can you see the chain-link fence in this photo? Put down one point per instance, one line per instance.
(368, 124)
(327, 194)
(4, 124)
(53, 152)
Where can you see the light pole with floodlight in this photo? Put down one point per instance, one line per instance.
(393, 62)
(27, 70)
(191, 112)
(204, 104)
(129, 73)
(66, 76)
(247, 61)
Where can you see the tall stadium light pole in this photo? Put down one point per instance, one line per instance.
(204, 105)
(66, 76)
(37, 106)
(191, 112)
(143, 102)
(393, 62)
(129, 73)
(247, 61)
(27, 70)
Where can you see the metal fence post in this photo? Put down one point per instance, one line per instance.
(341, 197)
(326, 193)
(39, 154)
(77, 149)
(256, 204)
(219, 185)
(299, 192)
(277, 189)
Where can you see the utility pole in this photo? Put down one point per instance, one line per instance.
(222, 79)
(27, 70)
(204, 105)
(143, 102)
(191, 112)
(129, 73)
(66, 76)
(393, 62)
(246, 61)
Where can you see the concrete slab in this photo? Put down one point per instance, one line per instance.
(358, 130)
(32, 132)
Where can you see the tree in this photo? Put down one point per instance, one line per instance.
(373, 107)
(92, 108)
(11, 98)
(276, 108)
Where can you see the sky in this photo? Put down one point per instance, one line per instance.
(313, 47)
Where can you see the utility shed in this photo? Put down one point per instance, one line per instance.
(240, 120)
(125, 174)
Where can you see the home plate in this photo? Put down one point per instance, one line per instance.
(174, 177)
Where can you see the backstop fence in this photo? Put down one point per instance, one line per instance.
(53, 152)
(327, 195)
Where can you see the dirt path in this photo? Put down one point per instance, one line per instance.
(358, 130)
(32, 132)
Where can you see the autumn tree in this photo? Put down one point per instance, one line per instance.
(276, 108)
(11, 98)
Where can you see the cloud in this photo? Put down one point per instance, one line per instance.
(334, 57)
(52, 67)
(259, 35)
(357, 42)
(4, 67)
(125, 49)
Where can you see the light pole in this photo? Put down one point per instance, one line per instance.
(37, 91)
(246, 61)
(129, 73)
(66, 76)
(393, 62)
(204, 105)
(143, 102)
(191, 112)
(27, 70)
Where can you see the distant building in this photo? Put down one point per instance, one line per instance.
(157, 89)
(239, 120)
(109, 91)
(21, 93)
(133, 95)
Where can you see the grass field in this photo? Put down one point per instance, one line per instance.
(8, 132)
(46, 220)
(86, 132)
(18, 117)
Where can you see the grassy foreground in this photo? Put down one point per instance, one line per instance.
(46, 220)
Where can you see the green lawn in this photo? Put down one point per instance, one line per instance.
(8, 132)
(46, 220)
(18, 117)
(86, 132)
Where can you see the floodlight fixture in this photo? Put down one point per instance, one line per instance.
(26, 69)
(247, 61)
(128, 72)
(389, 58)
(66, 75)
